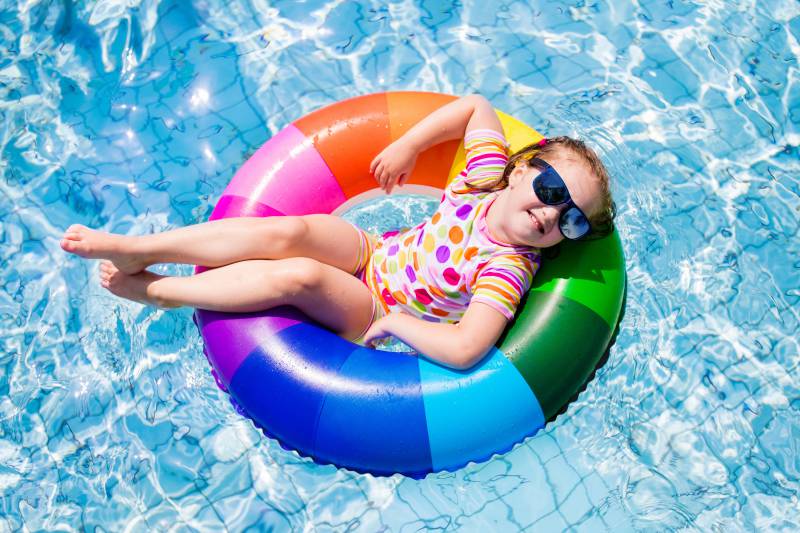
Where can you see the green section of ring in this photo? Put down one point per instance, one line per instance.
(590, 272)
(557, 349)
(565, 323)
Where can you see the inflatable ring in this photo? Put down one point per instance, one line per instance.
(386, 412)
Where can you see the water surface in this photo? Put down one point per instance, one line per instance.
(133, 116)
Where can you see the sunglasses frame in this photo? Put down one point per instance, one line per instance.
(543, 167)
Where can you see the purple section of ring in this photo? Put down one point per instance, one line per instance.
(231, 337)
(289, 174)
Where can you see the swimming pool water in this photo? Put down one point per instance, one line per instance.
(133, 115)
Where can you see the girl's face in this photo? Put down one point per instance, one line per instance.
(534, 223)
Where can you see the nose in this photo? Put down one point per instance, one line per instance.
(549, 215)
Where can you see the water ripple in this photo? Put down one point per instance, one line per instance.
(133, 116)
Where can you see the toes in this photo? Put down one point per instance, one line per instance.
(74, 233)
(75, 228)
(105, 275)
(72, 242)
(108, 268)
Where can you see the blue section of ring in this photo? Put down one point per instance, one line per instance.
(382, 412)
(374, 418)
(336, 401)
(473, 414)
(282, 384)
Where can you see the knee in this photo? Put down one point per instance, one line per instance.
(303, 274)
(285, 231)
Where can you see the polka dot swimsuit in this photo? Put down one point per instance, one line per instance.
(434, 270)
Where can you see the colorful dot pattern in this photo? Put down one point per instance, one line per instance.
(435, 270)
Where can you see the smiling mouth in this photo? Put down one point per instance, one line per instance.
(538, 223)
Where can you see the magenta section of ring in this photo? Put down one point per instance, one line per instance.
(238, 206)
(266, 185)
(231, 337)
(271, 176)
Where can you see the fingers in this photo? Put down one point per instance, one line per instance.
(387, 178)
(403, 179)
(378, 169)
(397, 181)
(382, 173)
(381, 176)
(390, 184)
(385, 181)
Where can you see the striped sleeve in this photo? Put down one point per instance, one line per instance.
(486, 154)
(503, 281)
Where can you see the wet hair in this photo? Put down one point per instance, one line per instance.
(602, 219)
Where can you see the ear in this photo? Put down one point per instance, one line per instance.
(519, 169)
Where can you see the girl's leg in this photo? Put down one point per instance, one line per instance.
(327, 294)
(326, 238)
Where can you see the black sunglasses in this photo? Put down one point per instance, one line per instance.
(551, 190)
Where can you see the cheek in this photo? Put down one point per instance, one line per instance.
(526, 225)
(534, 238)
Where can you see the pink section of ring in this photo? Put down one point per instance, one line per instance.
(288, 174)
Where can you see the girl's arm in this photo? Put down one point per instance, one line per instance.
(458, 346)
(451, 121)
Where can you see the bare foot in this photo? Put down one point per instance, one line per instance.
(130, 286)
(94, 244)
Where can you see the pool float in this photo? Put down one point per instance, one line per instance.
(383, 412)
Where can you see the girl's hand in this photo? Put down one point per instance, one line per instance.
(377, 331)
(393, 165)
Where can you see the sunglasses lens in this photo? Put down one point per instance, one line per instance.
(573, 223)
(550, 188)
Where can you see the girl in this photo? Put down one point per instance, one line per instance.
(447, 287)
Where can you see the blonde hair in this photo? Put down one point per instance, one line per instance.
(602, 219)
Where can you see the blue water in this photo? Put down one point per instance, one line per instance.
(133, 115)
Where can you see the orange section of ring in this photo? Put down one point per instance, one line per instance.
(349, 134)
